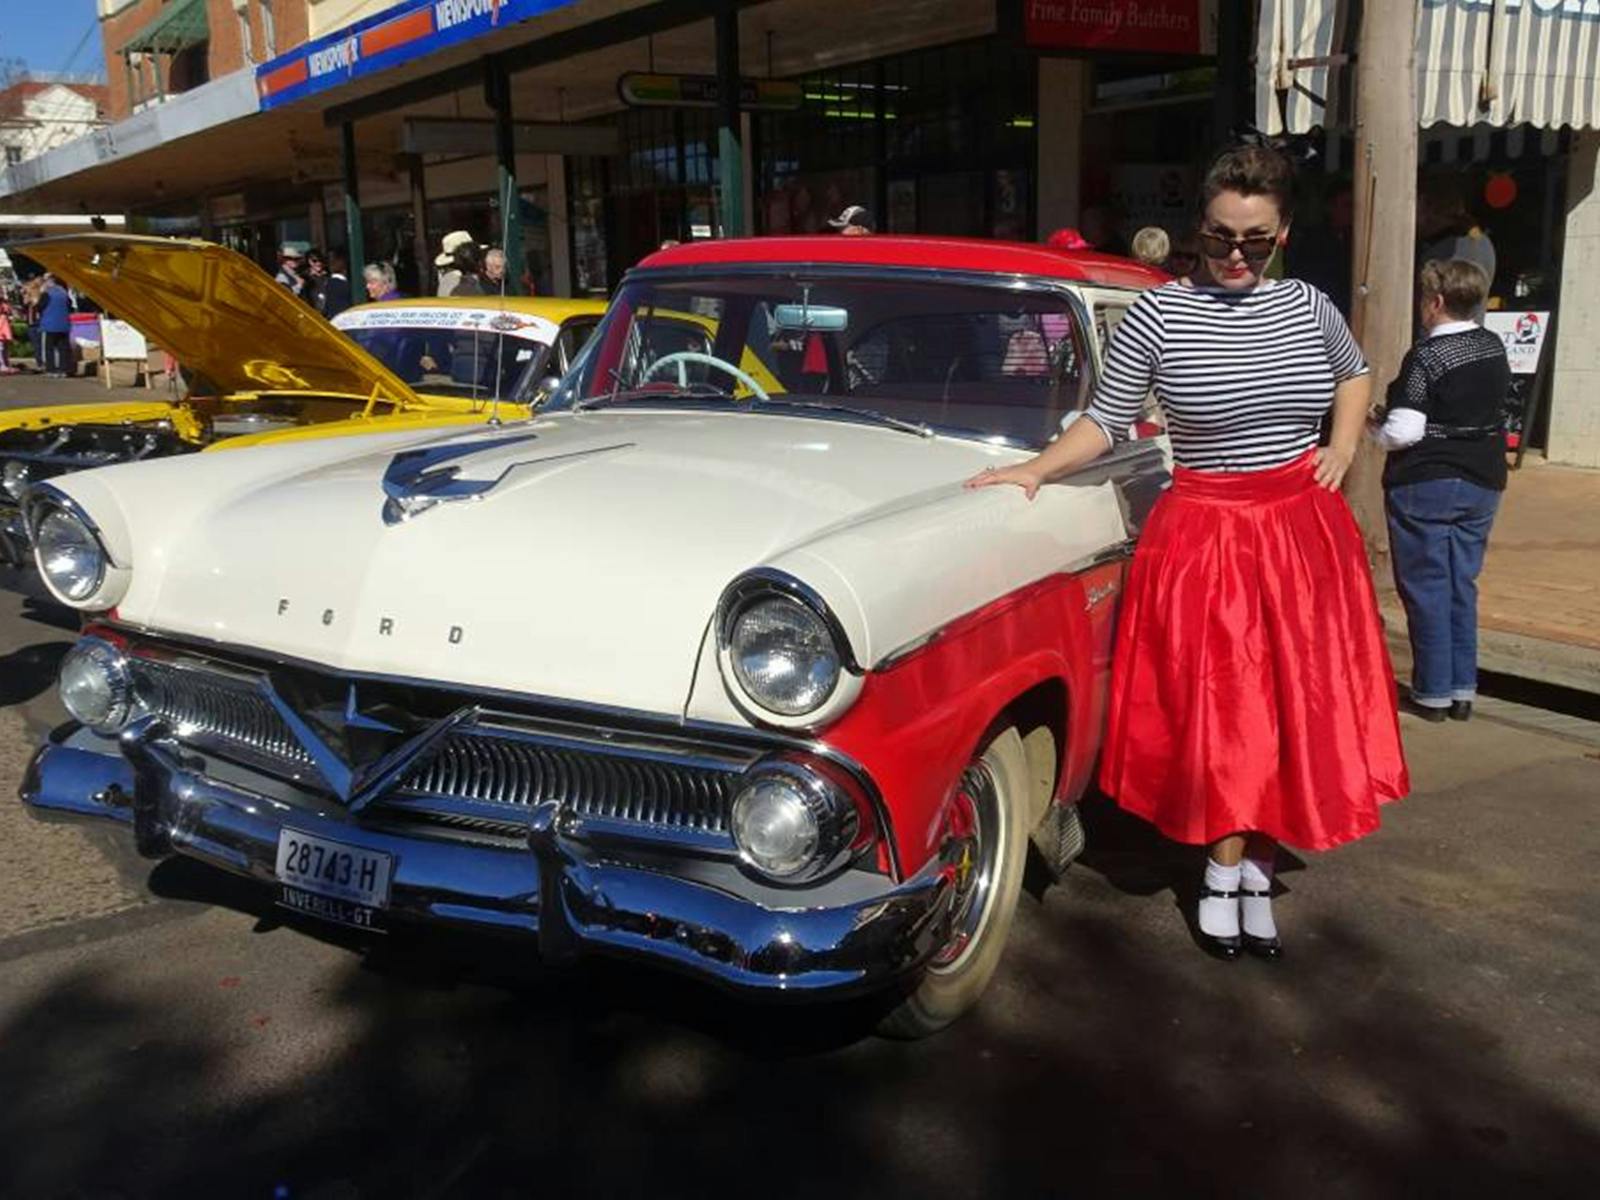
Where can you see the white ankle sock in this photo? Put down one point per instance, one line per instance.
(1219, 917)
(1256, 876)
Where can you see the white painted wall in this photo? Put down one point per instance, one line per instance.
(45, 120)
(1575, 387)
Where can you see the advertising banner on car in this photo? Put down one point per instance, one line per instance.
(386, 39)
(452, 320)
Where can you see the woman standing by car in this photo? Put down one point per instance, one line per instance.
(1252, 698)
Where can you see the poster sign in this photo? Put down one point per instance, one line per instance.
(120, 340)
(1137, 26)
(1523, 335)
(642, 90)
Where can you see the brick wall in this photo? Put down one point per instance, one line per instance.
(226, 49)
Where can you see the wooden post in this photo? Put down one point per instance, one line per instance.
(1385, 227)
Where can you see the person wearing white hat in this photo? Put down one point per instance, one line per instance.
(449, 272)
(289, 268)
(854, 221)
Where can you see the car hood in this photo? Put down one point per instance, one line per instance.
(217, 313)
(585, 561)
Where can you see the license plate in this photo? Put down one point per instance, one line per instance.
(332, 880)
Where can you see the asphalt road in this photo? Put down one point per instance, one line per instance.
(1433, 1030)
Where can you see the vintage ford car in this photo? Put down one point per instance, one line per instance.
(728, 675)
(267, 368)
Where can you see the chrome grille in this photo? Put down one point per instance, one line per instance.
(513, 773)
(217, 712)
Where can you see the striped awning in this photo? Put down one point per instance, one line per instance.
(1501, 62)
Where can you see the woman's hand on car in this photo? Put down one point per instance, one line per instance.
(1332, 464)
(1023, 475)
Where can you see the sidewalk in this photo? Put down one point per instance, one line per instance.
(1539, 597)
(25, 389)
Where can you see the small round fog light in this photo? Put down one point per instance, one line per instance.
(95, 685)
(775, 826)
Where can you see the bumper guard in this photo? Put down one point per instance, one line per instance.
(557, 889)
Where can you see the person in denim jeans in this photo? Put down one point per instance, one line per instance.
(1447, 467)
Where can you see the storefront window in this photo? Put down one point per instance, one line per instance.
(935, 141)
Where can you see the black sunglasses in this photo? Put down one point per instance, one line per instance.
(1256, 249)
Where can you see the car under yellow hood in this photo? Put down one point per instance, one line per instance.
(217, 313)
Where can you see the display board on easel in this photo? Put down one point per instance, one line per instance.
(1524, 335)
(121, 342)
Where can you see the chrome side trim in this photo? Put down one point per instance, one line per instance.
(1116, 552)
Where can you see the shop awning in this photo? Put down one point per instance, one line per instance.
(181, 24)
(1499, 62)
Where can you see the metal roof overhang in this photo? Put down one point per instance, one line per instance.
(182, 24)
(216, 139)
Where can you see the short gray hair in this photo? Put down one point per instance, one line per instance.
(379, 271)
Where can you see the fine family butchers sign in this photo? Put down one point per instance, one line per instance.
(1148, 26)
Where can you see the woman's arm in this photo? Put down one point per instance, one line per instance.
(1350, 400)
(1083, 442)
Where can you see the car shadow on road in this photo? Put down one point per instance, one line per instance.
(30, 671)
(1094, 1065)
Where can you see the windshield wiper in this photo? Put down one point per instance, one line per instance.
(870, 414)
(679, 391)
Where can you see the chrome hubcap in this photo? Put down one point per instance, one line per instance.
(975, 838)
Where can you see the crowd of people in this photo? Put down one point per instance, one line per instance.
(43, 307)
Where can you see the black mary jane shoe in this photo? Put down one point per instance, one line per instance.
(1226, 948)
(1270, 948)
(1461, 710)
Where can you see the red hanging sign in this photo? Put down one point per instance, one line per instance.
(1146, 26)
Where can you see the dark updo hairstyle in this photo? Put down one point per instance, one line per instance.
(1251, 170)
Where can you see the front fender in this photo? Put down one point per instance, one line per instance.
(920, 718)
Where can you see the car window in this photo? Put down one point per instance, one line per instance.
(571, 339)
(455, 362)
(993, 359)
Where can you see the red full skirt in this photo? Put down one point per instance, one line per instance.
(1252, 688)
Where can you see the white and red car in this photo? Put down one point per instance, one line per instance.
(713, 661)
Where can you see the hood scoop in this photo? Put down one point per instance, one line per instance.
(417, 480)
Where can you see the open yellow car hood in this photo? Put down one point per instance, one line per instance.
(217, 313)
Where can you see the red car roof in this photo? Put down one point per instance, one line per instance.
(935, 253)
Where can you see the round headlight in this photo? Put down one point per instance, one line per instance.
(783, 656)
(69, 554)
(775, 826)
(14, 478)
(95, 685)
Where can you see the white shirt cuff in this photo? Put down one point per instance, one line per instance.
(1403, 427)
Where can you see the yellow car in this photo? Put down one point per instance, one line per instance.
(263, 366)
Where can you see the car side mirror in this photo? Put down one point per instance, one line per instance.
(545, 388)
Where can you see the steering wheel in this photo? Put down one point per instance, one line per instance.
(684, 357)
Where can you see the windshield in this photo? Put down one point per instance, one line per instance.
(987, 359)
(477, 353)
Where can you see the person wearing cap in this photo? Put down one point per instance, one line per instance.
(445, 261)
(854, 221)
(289, 269)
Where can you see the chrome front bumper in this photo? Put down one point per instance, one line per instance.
(559, 890)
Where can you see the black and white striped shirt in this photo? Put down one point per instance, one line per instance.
(1243, 378)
